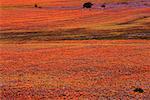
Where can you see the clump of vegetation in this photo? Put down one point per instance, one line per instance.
(36, 6)
(124, 3)
(139, 90)
(103, 5)
(87, 5)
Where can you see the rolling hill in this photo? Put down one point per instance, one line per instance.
(68, 20)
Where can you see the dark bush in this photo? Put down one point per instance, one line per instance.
(103, 6)
(87, 5)
(35, 5)
(139, 90)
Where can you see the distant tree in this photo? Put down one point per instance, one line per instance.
(87, 5)
(35, 5)
(103, 5)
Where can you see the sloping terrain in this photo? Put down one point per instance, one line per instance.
(75, 70)
(41, 59)
(119, 17)
(54, 2)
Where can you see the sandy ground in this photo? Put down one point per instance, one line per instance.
(75, 70)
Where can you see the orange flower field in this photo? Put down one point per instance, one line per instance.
(76, 70)
(68, 50)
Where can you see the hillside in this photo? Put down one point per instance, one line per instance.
(68, 20)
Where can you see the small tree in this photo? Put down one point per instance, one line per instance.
(87, 5)
(35, 5)
(103, 5)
